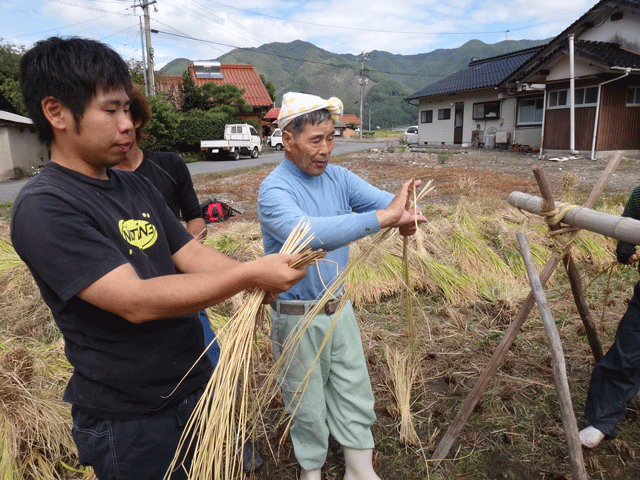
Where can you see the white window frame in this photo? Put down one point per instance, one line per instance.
(580, 93)
(536, 100)
(636, 93)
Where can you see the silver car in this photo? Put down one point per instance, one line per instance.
(411, 135)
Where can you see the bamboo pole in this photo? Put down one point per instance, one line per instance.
(569, 423)
(621, 228)
(572, 271)
(510, 335)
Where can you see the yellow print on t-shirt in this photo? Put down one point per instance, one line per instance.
(139, 233)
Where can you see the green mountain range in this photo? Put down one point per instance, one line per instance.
(301, 66)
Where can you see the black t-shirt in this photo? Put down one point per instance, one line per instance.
(71, 230)
(169, 174)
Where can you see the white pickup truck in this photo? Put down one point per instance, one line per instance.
(239, 139)
(275, 139)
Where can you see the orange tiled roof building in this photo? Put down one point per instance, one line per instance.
(245, 77)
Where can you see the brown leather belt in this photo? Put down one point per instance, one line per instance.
(301, 308)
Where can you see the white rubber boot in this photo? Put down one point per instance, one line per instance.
(310, 474)
(590, 437)
(359, 464)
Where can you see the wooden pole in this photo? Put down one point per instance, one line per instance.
(569, 423)
(572, 271)
(510, 335)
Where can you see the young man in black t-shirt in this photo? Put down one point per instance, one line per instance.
(123, 278)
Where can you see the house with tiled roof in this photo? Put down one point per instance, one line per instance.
(243, 76)
(595, 61)
(272, 114)
(270, 120)
(350, 118)
(462, 107)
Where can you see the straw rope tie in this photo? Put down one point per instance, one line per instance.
(564, 236)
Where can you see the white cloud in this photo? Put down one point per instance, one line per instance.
(340, 26)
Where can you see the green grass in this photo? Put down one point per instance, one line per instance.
(5, 210)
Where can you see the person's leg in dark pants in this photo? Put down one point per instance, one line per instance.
(616, 378)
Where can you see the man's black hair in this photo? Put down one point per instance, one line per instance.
(70, 70)
(296, 126)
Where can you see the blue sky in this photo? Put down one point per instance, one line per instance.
(204, 29)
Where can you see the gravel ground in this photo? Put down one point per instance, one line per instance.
(495, 172)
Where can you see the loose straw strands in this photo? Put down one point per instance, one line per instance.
(218, 426)
(404, 371)
(35, 427)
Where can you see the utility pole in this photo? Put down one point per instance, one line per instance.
(144, 62)
(150, 87)
(363, 81)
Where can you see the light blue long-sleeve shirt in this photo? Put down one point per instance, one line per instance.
(340, 207)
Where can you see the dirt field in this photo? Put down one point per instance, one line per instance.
(497, 172)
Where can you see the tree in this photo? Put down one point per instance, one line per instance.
(162, 126)
(136, 69)
(271, 90)
(10, 56)
(224, 100)
(191, 96)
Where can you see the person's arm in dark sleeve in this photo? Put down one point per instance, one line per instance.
(188, 201)
(626, 252)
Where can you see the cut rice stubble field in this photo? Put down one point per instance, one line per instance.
(515, 431)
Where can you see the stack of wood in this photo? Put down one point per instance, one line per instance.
(518, 148)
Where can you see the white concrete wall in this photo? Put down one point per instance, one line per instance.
(528, 135)
(560, 69)
(440, 131)
(20, 150)
(625, 31)
(6, 162)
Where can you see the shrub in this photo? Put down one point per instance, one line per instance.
(193, 128)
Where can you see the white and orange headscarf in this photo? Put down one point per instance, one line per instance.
(295, 104)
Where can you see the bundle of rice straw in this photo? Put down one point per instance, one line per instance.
(403, 371)
(403, 366)
(220, 424)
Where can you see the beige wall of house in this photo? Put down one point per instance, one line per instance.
(439, 131)
(560, 69)
(20, 150)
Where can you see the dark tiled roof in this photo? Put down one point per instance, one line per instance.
(607, 54)
(479, 74)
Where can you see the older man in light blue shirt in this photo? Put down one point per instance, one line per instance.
(341, 208)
